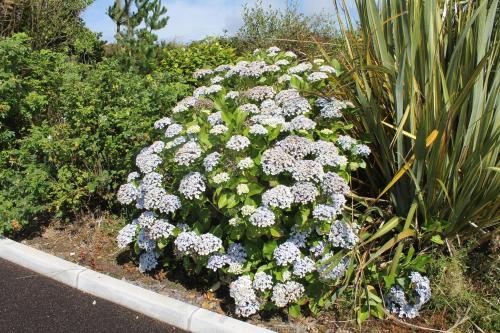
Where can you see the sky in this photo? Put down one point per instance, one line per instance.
(196, 19)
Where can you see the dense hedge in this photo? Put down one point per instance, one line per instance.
(69, 130)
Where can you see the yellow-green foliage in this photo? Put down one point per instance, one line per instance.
(182, 61)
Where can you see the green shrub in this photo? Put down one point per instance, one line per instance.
(288, 29)
(70, 130)
(249, 190)
(182, 61)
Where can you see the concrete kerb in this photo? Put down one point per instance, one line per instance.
(151, 304)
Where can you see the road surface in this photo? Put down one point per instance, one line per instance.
(30, 302)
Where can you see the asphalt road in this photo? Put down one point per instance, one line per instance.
(30, 302)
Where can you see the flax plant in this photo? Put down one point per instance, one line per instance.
(426, 81)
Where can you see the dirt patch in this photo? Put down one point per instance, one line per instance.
(90, 242)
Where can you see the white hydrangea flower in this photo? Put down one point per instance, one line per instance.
(318, 249)
(290, 54)
(126, 235)
(286, 253)
(262, 281)
(307, 170)
(247, 210)
(282, 62)
(327, 69)
(275, 161)
(257, 129)
(186, 242)
(238, 142)
(192, 185)
(325, 212)
(278, 197)
(362, 150)
(147, 219)
(188, 153)
(218, 129)
(211, 161)
(185, 104)
(398, 303)
(301, 123)
(262, 217)
(346, 142)
(284, 78)
(200, 73)
(260, 93)
(163, 122)
(147, 162)
(222, 68)
(215, 118)
(216, 79)
(297, 146)
(233, 221)
(242, 189)
(272, 51)
(250, 108)
(144, 242)
(161, 229)
(286, 293)
(317, 76)
(303, 266)
(338, 201)
(343, 235)
(148, 261)
(221, 178)
(334, 184)
(244, 296)
(173, 130)
(300, 68)
(328, 272)
(233, 94)
(175, 142)
(132, 176)
(245, 163)
(207, 244)
(157, 198)
(127, 193)
(297, 237)
(304, 192)
(193, 129)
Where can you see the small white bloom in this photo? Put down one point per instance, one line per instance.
(242, 189)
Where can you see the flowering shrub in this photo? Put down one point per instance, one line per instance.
(248, 180)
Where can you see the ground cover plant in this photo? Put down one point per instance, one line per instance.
(248, 179)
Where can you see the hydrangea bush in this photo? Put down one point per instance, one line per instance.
(248, 180)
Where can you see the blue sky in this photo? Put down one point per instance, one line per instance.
(196, 19)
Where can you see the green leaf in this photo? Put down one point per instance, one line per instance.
(276, 232)
(222, 201)
(437, 239)
(294, 311)
(268, 249)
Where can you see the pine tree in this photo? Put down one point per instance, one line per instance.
(136, 21)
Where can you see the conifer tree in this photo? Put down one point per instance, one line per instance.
(136, 21)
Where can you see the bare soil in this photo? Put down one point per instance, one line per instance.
(91, 242)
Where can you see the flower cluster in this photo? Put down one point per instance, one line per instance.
(398, 303)
(248, 179)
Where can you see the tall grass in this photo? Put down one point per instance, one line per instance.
(427, 83)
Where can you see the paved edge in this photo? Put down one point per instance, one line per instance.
(169, 310)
